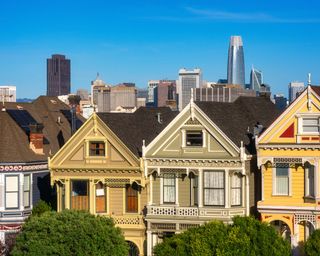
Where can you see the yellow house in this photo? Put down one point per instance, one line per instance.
(288, 155)
(95, 171)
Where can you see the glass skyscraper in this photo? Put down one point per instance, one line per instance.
(236, 62)
(256, 79)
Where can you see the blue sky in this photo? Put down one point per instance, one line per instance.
(138, 41)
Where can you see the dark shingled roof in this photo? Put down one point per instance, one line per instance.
(234, 119)
(133, 128)
(14, 141)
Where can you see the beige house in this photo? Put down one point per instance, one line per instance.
(198, 167)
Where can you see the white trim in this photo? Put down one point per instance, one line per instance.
(200, 188)
(151, 189)
(161, 190)
(226, 188)
(281, 207)
(176, 179)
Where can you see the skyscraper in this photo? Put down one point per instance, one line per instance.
(188, 79)
(58, 75)
(256, 79)
(294, 89)
(235, 72)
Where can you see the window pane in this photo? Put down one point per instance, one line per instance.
(26, 199)
(313, 121)
(100, 198)
(169, 188)
(214, 188)
(26, 182)
(97, 148)
(12, 183)
(194, 138)
(12, 200)
(79, 195)
(132, 199)
(282, 181)
(214, 179)
(236, 187)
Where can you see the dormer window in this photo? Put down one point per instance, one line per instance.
(310, 125)
(194, 138)
(97, 148)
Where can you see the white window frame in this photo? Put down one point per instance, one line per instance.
(274, 181)
(169, 176)
(214, 188)
(17, 192)
(236, 188)
(307, 181)
(301, 118)
(194, 132)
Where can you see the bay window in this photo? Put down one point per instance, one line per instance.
(12, 191)
(26, 190)
(80, 194)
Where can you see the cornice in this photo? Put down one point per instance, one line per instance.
(22, 167)
(89, 170)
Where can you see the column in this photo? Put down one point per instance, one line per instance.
(316, 178)
(200, 188)
(161, 190)
(150, 190)
(149, 243)
(262, 181)
(92, 197)
(226, 189)
(67, 194)
(177, 190)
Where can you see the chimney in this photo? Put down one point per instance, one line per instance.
(36, 138)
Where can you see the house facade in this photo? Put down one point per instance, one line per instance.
(199, 167)
(288, 157)
(28, 135)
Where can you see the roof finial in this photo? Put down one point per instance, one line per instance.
(98, 76)
(309, 79)
(191, 99)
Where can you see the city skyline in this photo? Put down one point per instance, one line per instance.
(153, 41)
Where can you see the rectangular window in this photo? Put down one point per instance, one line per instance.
(97, 148)
(282, 181)
(132, 199)
(194, 138)
(214, 194)
(12, 191)
(236, 189)
(169, 188)
(310, 125)
(309, 181)
(79, 195)
(100, 197)
(26, 190)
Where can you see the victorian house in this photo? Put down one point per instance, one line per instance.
(202, 166)
(100, 169)
(288, 156)
(29, 133)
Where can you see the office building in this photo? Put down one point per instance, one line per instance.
(58, 75)
(294, 89)
(83, 93)
(123, 95)
(100, 95)
(151, 85)
(8, 93)
(188, 79)
(256, 79)
(165, 93)
(236, 74)
(221, 93)
(280, 101)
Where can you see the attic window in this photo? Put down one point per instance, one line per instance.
(310, 125)
(194, 138)
(97, 148)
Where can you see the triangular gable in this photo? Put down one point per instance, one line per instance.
(75, 153)
(285, 129)
(170, 143)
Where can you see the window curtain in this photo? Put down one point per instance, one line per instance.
(236, 185)
(214, 188)
(169, 188)
(282, 181)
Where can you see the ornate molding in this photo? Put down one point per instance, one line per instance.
(194, 163)
(193, 122)
(17, 168)
(80, 170)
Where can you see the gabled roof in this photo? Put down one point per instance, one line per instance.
(133, 128)
(237, 119)
(14, 141)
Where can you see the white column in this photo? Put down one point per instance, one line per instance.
(204, 139)
(177, 191)
(21, 207)
(161, 190)
(226, 189)
(262, 181)
(200, 188)
(150, 190)
(316, 178)
(149, 243)
(247, 196)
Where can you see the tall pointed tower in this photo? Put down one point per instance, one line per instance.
(236, 73)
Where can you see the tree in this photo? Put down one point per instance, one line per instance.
(40, 208)
(246, 236)
(70, 233)
(312, 246)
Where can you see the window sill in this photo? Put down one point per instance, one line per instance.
(285, 195)
(309, 199)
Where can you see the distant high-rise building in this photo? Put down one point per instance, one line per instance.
(8, 93)
(256, 79)
(188, 79)
(280, 101)
(294, 89)
(83, 93)
(100, 95)
(151, 85)
(165, 93)
(123, 95)
(236, 74)
(58, 75)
